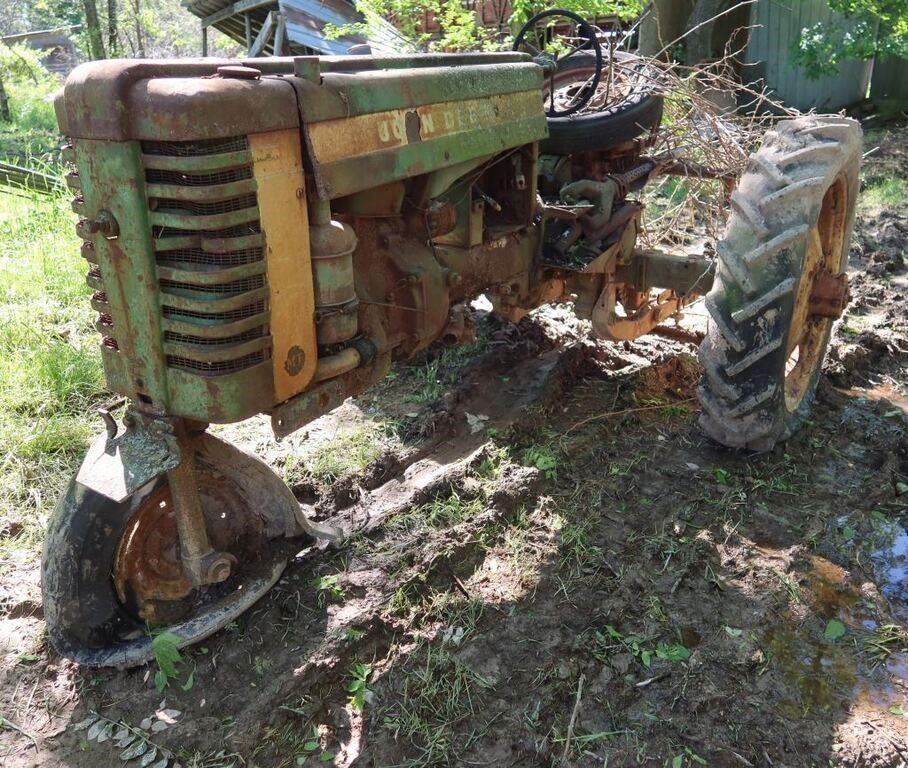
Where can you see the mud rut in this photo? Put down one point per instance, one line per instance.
(490, 575)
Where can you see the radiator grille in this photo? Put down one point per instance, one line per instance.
(218, 368)
(206, 208)
(195, 148)
(163, 232)
(230, 316)
(210, 254)
(222, 289)
(185, 338)
(153, 176)
(208, 259)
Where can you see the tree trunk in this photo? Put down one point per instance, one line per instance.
(5, 114)
(113, 45)
(137, 15)
(664, 23)
(701, 45)
(93, 28)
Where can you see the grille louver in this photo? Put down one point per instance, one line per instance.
(209, 251)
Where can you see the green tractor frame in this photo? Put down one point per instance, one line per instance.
(267, 236)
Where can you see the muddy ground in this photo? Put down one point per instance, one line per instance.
(548, 564)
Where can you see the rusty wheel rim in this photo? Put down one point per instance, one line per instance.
(823, 257)
(148, 574)
(614, 87)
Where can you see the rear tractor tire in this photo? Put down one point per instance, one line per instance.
(786, 242)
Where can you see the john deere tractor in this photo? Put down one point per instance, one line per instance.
(269, 235)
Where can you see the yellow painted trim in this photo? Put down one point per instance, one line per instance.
(362, 134)
(278, 170)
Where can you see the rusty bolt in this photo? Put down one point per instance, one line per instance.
(504, 289)
(217, 567)
(104, 223)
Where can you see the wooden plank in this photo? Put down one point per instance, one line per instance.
(262, 38)
(241, 6)
(278, 169)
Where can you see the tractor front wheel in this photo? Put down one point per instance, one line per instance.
(780, 282)
(112, 570)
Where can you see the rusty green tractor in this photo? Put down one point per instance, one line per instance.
(267, 236)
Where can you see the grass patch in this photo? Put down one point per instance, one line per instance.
(886, 191)
(433, 694)
(440, 512)
(49, 365)
(349, 451)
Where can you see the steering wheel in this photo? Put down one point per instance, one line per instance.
(537, 40)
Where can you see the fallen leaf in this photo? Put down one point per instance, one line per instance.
(834, 630)
(169, 716)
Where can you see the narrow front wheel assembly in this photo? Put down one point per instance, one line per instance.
(112, 571)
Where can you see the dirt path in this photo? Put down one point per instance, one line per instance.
(547, 564)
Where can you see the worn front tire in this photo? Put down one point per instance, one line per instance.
(791, 222)
(90, 614)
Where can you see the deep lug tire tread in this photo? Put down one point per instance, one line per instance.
(777, 202)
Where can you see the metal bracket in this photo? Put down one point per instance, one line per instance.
(117, 466)
(829, 294)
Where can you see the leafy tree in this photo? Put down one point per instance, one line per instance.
(459, 29)
(587, 9)
(29, 87)
(871, 28)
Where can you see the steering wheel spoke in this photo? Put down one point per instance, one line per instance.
(577, 30)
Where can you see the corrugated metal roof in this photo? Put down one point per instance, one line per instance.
(305, 23)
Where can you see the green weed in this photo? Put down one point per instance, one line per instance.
(348, 452)
(544, 458)
(435, 693)
(884, 191)
(886, 640)
(328, 589)
(642, 649)
(358, 687)
(440, 512)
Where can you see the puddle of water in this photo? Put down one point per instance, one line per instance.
(822, 674)
(889, 562)
(883, 391)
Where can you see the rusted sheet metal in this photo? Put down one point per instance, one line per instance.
(290, 416)
(307, 19)
(346, 137)
(362, 132)
(305, 24)
(120, 100)
(344, 95)
(117, 467)
(829, 294)
(112, 181)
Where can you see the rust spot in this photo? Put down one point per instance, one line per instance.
(413, 127)
(829, 294)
